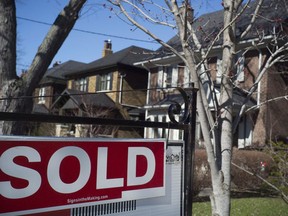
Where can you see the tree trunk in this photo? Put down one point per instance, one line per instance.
(7, 41)
(23, 88)
(222, 182)
(7, 48)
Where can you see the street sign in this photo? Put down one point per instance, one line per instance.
(39, 175)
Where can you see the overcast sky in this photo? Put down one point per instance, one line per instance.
(86, 43)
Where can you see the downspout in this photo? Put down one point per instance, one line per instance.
(122, 75)
(259, 84)
(146, 130)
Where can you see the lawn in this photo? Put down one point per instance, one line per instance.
(247, 207)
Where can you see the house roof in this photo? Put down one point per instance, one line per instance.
(127, 57)
(71, 99)
(56, 73)
(272, 14)
(40, 108)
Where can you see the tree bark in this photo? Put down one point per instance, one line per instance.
(222, 181)
(7, 48)
(7, 41)
(21, 89)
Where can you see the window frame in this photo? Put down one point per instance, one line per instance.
(41, 95)
(81, 84)
(104, 82)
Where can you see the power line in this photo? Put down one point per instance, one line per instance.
(88, 32)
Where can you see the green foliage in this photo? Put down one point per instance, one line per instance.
(247, 207)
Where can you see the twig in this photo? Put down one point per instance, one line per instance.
(283, 196)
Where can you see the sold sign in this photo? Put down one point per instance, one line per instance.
(44, 175)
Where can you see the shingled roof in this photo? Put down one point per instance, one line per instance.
(124, 57)
(273, 13)
(56, 73)
(71, 99)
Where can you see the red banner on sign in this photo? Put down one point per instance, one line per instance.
(43, 175)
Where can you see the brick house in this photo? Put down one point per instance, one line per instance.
(110, 87)
(52, 85)
(265, 121)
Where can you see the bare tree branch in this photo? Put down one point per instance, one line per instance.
(257, 106)
(123, 10)
(253, 19)
(273, 58)
(284, 197)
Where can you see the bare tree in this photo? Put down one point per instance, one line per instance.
(177, 14)
(97, 112)
(16, 90)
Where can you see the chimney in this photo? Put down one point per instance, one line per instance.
(190, 12)
(56, 63)
(107, 50)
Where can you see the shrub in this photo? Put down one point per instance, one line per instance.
(254, 161)
(279, 170)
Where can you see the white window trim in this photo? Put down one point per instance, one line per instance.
(187, 77)
(83, 84)
(107, 79)
(162, 77)
(240, 69)
(219, 71)
(42, 92)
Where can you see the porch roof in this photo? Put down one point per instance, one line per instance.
(71, 99)
(40, 108)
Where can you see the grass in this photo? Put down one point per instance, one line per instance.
(247, 207)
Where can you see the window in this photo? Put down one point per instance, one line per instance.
(240, 69)
(80, 84)
(187, 77)
(41, 95)
(167, 76)
(219, 71)
(169, 71)
(160, 83)
(104, 82)
(203, 73)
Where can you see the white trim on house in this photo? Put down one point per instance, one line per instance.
(173, 58)
(41, 95)
(245, 129)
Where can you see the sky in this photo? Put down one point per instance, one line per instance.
(96, 24)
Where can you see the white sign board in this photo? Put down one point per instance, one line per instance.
(169, 205)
